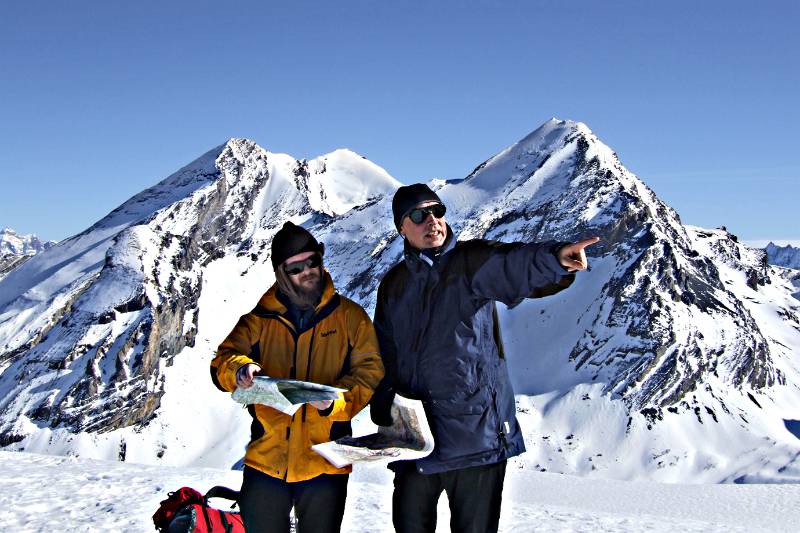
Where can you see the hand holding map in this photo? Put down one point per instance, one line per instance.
(409, 437)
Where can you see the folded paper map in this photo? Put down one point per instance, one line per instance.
(285, 395)
(409, 437)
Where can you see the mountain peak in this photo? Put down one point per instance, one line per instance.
(338, 181)
(344, 152)
(555, 140)
(238, 145)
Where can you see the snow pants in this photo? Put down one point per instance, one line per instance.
(318, 503)
(474, 494)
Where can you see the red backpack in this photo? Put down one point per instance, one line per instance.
(187, 511)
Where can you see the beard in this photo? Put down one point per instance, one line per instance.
(308, 289)
(304, 293)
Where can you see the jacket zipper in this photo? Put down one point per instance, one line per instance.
(288, 434)
(504, 426)
(292, 375)
(308, 364)
(293, 370)
(423, 310)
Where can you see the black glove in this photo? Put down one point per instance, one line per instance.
(380, 406)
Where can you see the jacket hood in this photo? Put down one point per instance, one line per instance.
(270, 301)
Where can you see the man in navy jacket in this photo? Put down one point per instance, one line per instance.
(440, 341)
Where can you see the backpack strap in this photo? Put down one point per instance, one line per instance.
(227, 526)
(222, 492)
(209, 525)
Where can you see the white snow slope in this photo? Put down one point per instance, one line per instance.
(47, 493)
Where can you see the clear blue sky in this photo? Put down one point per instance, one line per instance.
(99, 100)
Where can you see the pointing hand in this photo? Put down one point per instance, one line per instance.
(572, 257)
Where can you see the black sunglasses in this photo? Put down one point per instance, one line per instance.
(298, 266)
(419, 214)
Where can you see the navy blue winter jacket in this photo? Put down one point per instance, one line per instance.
(440, 343)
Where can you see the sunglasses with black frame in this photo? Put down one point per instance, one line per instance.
(298, 267)
(419, 214)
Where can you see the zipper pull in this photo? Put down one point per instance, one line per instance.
(506, 430)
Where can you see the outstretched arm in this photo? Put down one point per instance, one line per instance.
(511, 272)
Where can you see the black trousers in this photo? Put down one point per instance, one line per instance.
(318, 503)
(474, 494)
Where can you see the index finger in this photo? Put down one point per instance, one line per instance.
(587, 242)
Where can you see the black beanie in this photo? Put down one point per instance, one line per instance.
(408, 197)
(292, 240)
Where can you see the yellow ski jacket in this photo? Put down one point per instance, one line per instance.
(338, 347)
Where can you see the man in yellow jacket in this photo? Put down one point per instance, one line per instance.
(300, 329)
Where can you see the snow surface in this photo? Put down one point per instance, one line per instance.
(46, 493)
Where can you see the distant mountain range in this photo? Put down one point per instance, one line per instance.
(785, 256)
(672, 359)
(15, 249)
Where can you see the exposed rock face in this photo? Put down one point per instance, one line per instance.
(106, 349)
(9, 262)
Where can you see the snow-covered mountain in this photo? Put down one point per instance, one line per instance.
(672, 359)
(15, 249)
(785, 256)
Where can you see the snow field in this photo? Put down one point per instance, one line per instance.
(43, 493)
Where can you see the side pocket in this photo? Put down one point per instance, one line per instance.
(460, 428)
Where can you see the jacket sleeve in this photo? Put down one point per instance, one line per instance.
(365, 368)
(511, 272)
(234, 352)
(381, 404)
